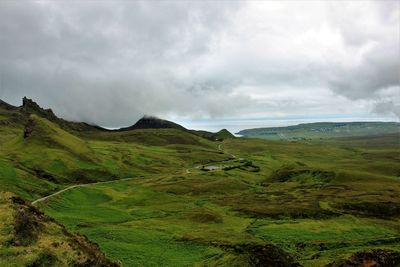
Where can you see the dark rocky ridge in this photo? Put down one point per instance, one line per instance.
(31, 107)
(7, 106)
(147, 122)
(150, 122)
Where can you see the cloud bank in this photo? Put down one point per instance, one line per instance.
(110, 62)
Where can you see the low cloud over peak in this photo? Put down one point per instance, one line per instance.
(111, 62)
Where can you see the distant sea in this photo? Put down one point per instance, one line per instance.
(235, 125)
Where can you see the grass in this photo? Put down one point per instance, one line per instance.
(154, 227)
(323, 130)
(317, 201)
(59, 158)
(209, 218)
(29, 238)
(142, 247)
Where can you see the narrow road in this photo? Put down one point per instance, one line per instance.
(77, 185)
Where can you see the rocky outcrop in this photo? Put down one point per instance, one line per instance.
(265, 255)
(38, 240)
(374, 258)
(29, 106)
(29, 128)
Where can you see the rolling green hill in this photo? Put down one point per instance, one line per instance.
(38, 156)
(190, 201)
(320, 130)
(218, 136)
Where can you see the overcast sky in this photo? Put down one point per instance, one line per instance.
(110, 62)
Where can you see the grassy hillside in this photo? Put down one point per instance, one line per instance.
(323, 130)
(299, 206)
(192, 201)
(30, 238)
(38, 157)
(224, 134)
(218, 136)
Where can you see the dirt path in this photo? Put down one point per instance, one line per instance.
(220, 149)
(106, 182)
(77, 185)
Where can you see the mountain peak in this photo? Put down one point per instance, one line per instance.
(224, 134)
(30, 106)
(152, 122)
(29, 103)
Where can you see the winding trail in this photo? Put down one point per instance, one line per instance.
(220, 149)
(106, 182)
(77, 185)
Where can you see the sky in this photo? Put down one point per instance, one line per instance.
(203, 62)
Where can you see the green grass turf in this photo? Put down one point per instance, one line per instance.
(323, 130)
(206, 210)
(318, 201)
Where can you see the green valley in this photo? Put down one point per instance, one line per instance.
(144, 196)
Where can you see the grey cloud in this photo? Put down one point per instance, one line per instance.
(380, 70)
(110, 62)
(107, 62)
(385, 107)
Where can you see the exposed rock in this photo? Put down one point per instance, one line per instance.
(373, 209)
(265, 256)
(45, 240)
(374, 258)
(29, 106)
(29, 128)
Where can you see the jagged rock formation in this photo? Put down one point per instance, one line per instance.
(31, 107)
